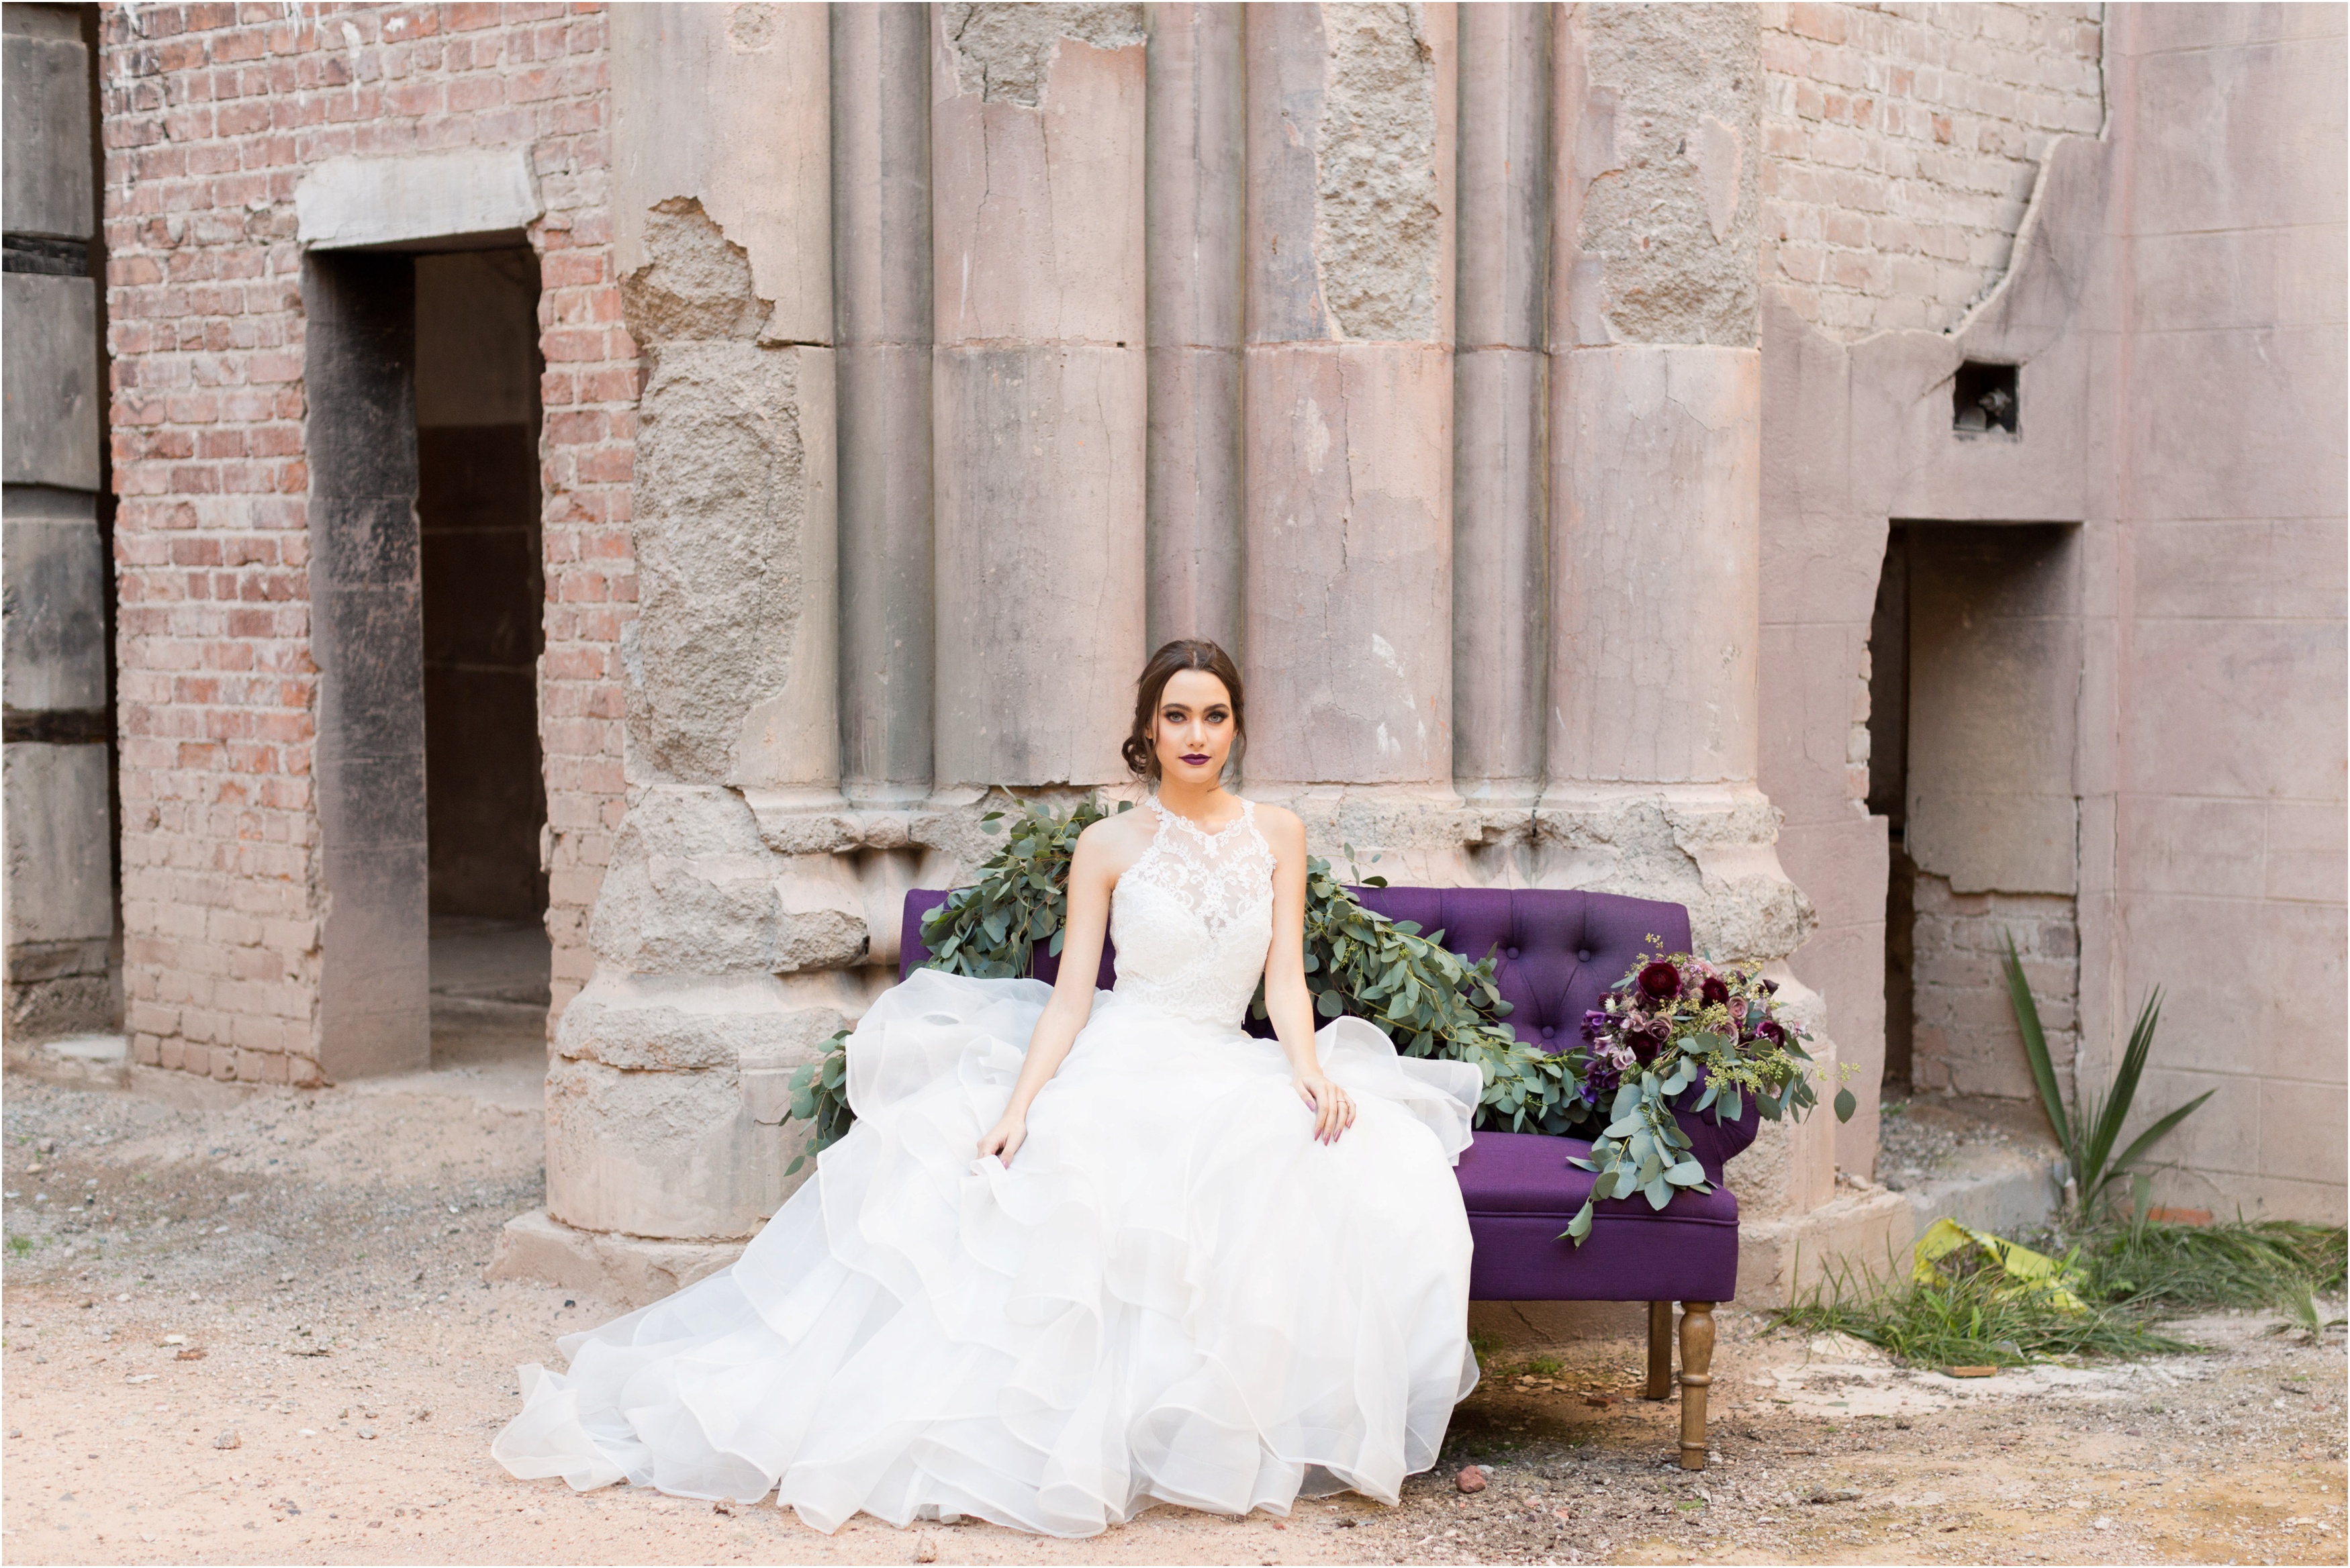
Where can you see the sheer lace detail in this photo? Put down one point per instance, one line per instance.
(1193, 918)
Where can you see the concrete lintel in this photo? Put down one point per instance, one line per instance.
(356, 203)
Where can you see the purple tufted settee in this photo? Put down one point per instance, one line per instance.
(1556, 952)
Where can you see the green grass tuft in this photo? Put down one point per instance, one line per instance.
(2186, 1268)
(2134, 1275)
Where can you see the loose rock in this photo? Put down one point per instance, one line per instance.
(1470, 1479)
(228, 1439)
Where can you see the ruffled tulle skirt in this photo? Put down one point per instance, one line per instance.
(1174, 1294)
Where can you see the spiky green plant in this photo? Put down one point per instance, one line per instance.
(2089, 1127)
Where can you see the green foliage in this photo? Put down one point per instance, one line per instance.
(1702, 1023)
(991, 929)
(820, 1098)
(2090, 1127)
(2130, 1275)
(1970, 1318)
(2154, 1266)
(1430, 1001)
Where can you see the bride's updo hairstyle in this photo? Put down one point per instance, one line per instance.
(1183, 653)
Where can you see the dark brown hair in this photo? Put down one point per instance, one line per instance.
(1183, 653)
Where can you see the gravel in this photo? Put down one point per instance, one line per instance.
(323, 1254)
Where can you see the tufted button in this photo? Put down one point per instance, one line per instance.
(1511, 952)
(1582, 955)
(1548, 1031)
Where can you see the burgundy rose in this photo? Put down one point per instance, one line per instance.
(1661, 981)
(1714, 991)
(1648, 1042)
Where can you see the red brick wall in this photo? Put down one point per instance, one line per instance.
(213, 114)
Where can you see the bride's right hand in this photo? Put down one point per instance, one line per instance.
(1004, 1140)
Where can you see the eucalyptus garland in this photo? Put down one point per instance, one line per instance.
(1429, 1001)
(1642, 1049)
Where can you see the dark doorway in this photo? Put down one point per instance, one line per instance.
(426, 593)
(477, 423)
(1888, 784)
(1975, 668)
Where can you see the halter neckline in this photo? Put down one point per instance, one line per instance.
(1169, 813)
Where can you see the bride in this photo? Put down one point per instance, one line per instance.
(1083, 1252)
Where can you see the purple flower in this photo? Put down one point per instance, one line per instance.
(1713, 991)
(1595, 1025)
(1661, 981)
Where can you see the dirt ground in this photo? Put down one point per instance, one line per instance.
(259, 1332)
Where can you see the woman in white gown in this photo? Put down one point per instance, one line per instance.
(1082, 1252)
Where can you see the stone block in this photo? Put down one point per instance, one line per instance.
(1864, 1234)
(345, 204)
(46, 184)
(1348, 594)
(1041, 563)
(49, 378)
(625, 1271)
(1038, 177)
(59, 851)
(1655, 503)
(729, 106)
(733, 674)
(2284, 570)
(2264, 451)
(2228, 147)
(2239, 718)
(2249, 280)
(693, 889)
(54, 584)
(670, 1155)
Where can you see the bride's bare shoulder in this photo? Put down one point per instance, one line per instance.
(1282, 827)
(1117, 838)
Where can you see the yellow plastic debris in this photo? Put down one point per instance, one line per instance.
(2030, 1272)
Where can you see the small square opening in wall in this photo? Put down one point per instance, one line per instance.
(1982, 398)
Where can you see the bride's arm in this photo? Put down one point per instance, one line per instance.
(1093, 871)
(1288, 1001)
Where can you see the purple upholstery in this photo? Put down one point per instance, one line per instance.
(1556, 952)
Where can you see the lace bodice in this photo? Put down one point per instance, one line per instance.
(1193, 918)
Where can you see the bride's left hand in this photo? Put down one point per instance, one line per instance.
(1333, 1107)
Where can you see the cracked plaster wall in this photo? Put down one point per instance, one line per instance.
(730, 660)
(1666, 140)
(1004, 53)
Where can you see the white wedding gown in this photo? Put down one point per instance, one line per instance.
(1174, 1294)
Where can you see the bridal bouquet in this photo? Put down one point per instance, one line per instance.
(1672, 1023)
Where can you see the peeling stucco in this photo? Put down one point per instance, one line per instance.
(720, 503)
(1003, 52)
(1670, 135)
(1379, 228)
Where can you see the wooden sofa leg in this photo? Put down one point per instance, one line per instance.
(1660, 1351)
(1697, 1377)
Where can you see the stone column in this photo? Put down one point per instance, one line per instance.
(726, 933)
(882, 313)
(1500, 555)
(1349, 385)
(1041, 389)
(1197, 157)
(1655, 521)
(59, 862)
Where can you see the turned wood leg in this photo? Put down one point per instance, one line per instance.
(1660, 1351)
(1697, 1377)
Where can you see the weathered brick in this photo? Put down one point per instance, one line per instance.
(1857, 96)
(213, 113)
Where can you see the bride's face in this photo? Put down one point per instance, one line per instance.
(1193, 731)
